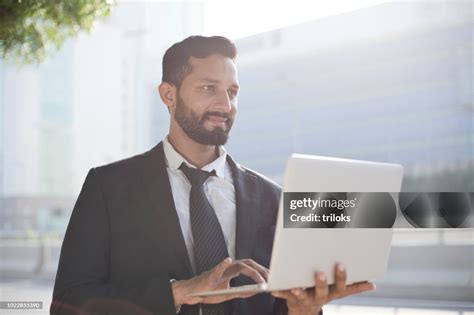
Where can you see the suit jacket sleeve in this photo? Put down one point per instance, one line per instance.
(82, 277)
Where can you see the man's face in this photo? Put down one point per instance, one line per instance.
(207, 100)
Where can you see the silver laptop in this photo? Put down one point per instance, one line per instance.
(299, 252)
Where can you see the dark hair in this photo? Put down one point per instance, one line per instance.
(176, 59)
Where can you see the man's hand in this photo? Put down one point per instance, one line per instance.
(218, 278)
(302, 302)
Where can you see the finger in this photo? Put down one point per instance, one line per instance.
(261, 269)
(300, 295)
(241, 268)
(283, 294)
(252, 273)
(247, 295)
(340, 276)
(355, 288)
(219, 270)
(241, 295)
(321, 291)
(227, 297)
(360, 287)
(232, 271)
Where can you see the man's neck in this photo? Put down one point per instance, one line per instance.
(195, 153)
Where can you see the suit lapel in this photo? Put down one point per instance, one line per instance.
(163, 216)
(247, 203)
(164, 210)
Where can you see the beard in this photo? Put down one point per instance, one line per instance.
(193, 125)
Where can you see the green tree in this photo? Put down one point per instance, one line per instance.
(32, 29)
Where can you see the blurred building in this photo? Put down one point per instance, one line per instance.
(389, 83)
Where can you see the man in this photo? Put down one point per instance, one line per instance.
(183, 217)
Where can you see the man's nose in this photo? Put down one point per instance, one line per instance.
(223, 102)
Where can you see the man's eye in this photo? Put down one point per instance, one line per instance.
(232, 93)
(208, 88)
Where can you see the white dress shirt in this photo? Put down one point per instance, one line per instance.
(219, 191)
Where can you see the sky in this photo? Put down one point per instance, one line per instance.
(237, 19)
(241, 18)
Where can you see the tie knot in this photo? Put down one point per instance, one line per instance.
(195, 176)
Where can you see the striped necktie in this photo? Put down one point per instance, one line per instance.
(209, 243)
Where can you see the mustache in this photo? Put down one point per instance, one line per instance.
(219, 114)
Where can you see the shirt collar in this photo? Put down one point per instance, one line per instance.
(174, 159)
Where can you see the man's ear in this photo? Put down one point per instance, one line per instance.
(168, 94)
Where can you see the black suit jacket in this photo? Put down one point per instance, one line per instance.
(124, 242)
